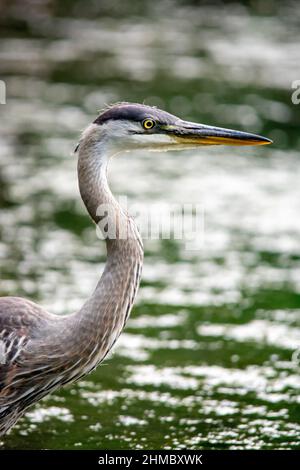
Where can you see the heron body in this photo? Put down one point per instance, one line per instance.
(40, 351)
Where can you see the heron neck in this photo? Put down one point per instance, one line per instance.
(104, 314)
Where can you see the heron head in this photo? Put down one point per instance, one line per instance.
(129, 126)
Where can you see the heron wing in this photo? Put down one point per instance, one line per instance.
(19, 319)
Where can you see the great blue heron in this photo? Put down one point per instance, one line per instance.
(39, 351)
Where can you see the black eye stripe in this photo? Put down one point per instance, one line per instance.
(134, 112)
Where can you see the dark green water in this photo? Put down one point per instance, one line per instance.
(209, 356)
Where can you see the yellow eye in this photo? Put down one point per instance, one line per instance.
(148, 124)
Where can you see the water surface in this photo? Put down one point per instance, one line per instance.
(209, 356)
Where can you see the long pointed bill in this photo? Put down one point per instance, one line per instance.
(199, 134)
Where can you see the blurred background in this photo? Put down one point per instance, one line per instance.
(209, 358)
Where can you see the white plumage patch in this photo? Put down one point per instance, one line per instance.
(122, 136)
(10, 346)
(2, 352)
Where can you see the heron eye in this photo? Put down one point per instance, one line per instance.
(148, 124)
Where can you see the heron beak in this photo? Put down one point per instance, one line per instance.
(199, 134)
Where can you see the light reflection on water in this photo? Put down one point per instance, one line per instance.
(206, 359)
